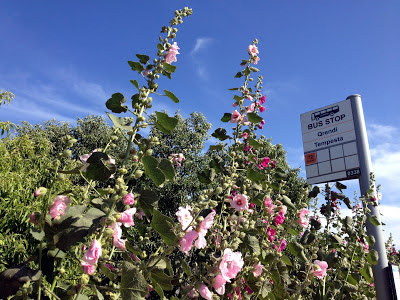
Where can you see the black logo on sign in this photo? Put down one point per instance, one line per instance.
(330, 111)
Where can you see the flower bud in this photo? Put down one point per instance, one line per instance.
(40, 192)
(149, 152)
(108, 232)
(138, 174)
(123, 171)
(85, 279)
(67, 153)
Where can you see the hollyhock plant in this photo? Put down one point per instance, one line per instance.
(85, 157)
(171, 54)
(184, 216)
(319, 269)
(265, 161)
(231, 264)
(240, 202)
(280, 218)
(129, 199)
(60, 206)
(127, 217)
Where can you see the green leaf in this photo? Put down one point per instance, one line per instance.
(143, 58)
(252, 242)
(148, 200)
(233, 89)
(216, 147)
(351, 280)
(238, 75)
(165, 123)
(254, 143)
(73, 227)
(166, 167)
(297, 250)
(186, 268)
(135, 83)
(246, 71)
(136, 66)
(151, 169)
(57, 253)
(374, 220)
(220, 133)
(133, 284)
(99, 168)
(37, 233)
(115, 103)
(169, 68)
(254, 175)
(135, 99)
(106, 271)
(373, 256)
(286, 260)
(165, 73)
(171, 96)
(371, 240)
(366, 272)
(206, 176)
(286, 200)
(161, 279)
(237, 98)
(293, 231)
(164, 226)
(253, 117)
(348, 223)
(120, 122)
(160, 47)
(226, 117)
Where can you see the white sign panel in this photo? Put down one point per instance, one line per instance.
(329, 143)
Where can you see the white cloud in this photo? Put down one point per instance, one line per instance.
(201, 43)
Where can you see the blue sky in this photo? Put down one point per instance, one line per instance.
(63, 60)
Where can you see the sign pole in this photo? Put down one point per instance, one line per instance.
(380, 270)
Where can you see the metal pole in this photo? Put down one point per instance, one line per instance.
(380, 270)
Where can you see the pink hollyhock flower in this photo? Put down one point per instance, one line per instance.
(187, 241)
(282, 245)
(319, 268)
(279, 218)
(283, 209)
(127, 217)
(171, 54)
(267, 201)
(266, 161)
(129, 199)
(240, 203)
(60, 206)
(251, 107)
(219, 285)
(231, 264)
(88, 268)
(93, 254)
(205, 292)
(258, 268)
(262, 122)
(117, 241)
(140, 214)
(271, 234)
(249, 98)
(236, 116)
(184, 216)
(245, 135)
(146, 72)
(256, 60)
(203, 228)
(40, 192)
(192, 293)
(303, 221)
(262, 108)
(260, 126)
(253, 51)
(234, 104)
(263, 99)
